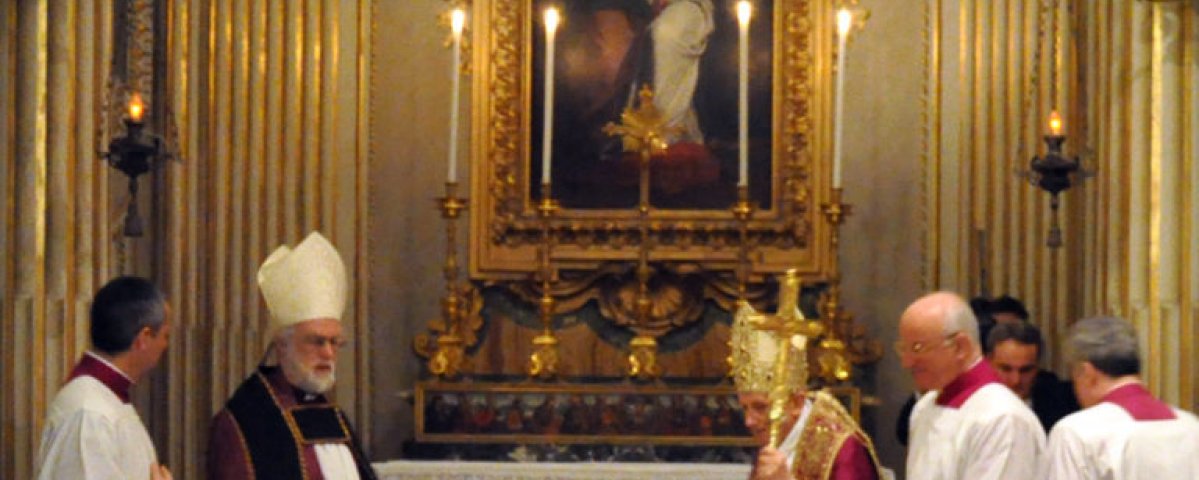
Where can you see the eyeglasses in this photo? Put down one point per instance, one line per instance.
(317, 342)
(918, 348)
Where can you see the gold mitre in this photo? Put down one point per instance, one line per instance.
(755, 352)
(304, 283)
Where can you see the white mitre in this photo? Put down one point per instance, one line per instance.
(304, 283)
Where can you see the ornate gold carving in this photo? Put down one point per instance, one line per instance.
(643, 360)
(507, 231)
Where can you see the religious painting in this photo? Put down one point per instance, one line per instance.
(578, 414)
(605, 50)
(685, 51)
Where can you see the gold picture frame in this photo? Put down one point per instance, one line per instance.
(786, 231)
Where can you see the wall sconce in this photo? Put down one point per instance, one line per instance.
(1052, 172)
(133, 154)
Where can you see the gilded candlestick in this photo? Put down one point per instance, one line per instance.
(543, 362)
(447, 361)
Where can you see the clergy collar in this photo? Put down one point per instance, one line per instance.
(790, 443)
(95, 366)
(1135, 399)
(961, 388)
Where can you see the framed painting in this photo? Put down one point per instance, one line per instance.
(686, 52)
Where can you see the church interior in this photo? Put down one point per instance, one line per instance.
(523, 232)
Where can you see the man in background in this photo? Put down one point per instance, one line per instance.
(1015, 354)
(968, 424)
(92, 431)
(278, 424)
(1124, 432)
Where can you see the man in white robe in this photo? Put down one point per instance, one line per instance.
(1123, 432)
(92, 431)
(278, 424)
(969, 425)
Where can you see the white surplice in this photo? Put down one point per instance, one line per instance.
(991, 435)
(91, 434)
(1105, 442)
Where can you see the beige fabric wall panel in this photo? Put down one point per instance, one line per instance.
(268, 102)
(1138, 62)
(989, 91)
(55, 222)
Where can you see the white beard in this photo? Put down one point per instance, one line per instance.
(305, 378)
(313, 382)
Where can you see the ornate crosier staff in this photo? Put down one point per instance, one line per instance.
(769, 352)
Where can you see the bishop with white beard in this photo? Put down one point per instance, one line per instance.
(278, 423)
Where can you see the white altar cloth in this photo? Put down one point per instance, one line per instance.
(463, 470)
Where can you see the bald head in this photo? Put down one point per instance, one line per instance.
(944, 310)
(938, 339)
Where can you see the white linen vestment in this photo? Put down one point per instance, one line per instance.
(91, 432)
(976, 429)
(1128, 435)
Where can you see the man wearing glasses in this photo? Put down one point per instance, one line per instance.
(278, 423)
(968, 425)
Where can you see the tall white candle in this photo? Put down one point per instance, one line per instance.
(547, 116)
(844, 21)
(457, 21)
(744, 10)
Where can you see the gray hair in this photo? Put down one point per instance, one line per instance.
(960, 318)
(1107, 343)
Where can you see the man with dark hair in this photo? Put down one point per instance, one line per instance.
(1014, 352)
(1124, 432)
(1007, 309)
(92, 431)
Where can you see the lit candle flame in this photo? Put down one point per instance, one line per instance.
(551, 20)
(1055, 124)
(457, 21)
(744, 11)
(136, 108)
(844, 21)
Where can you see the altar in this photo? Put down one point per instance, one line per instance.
(459, 470)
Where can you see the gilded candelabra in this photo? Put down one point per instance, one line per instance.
(447, 361)
(839, 348)
(543, 362)
(643, 130)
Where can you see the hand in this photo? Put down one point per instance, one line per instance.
(159, 472)
(772, 465)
